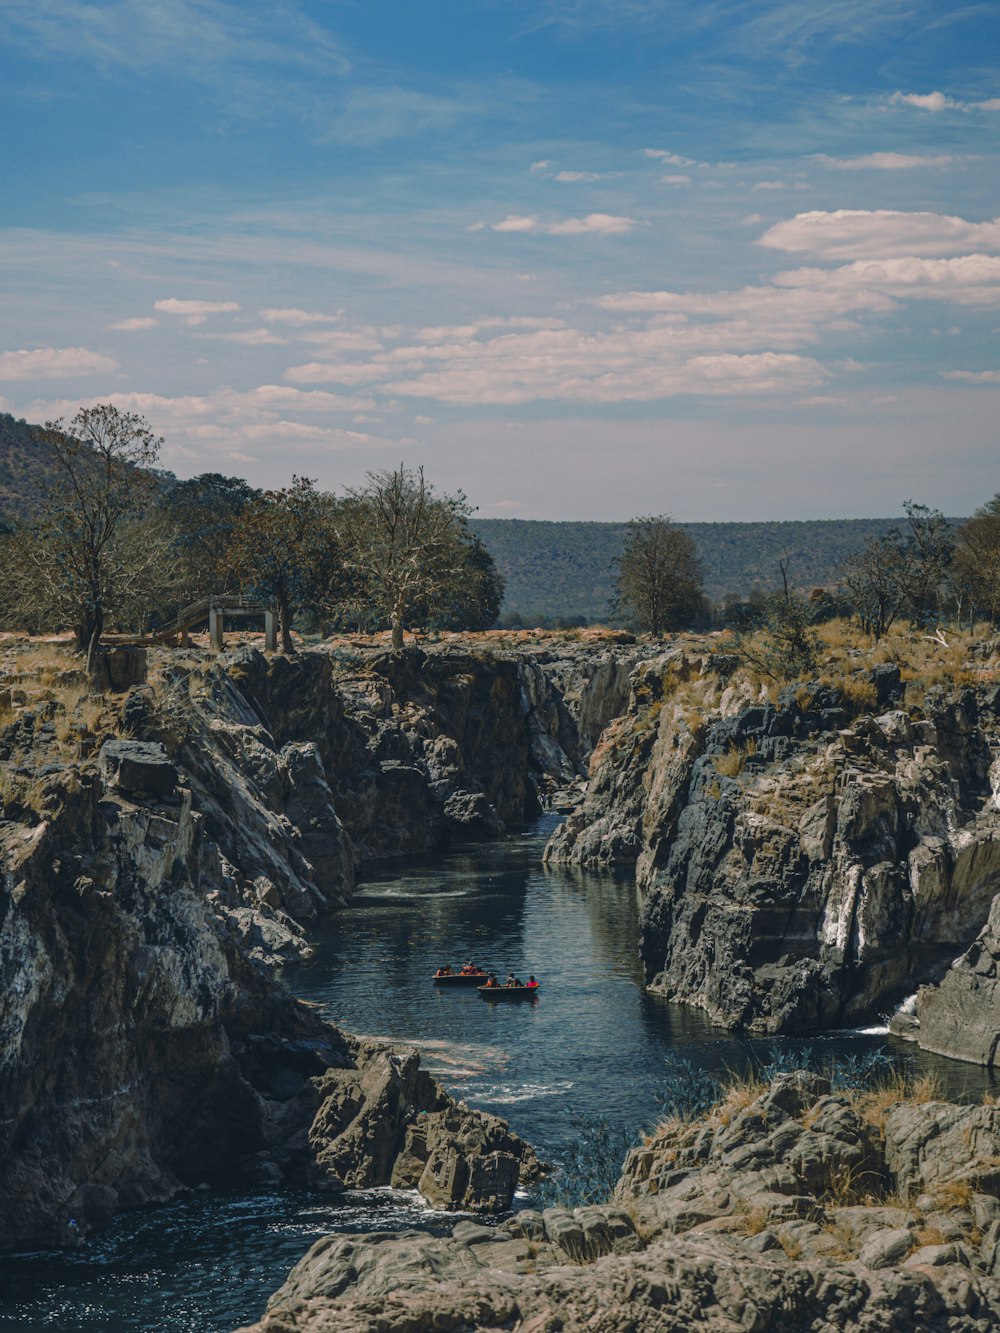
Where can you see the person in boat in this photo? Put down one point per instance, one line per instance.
(511, 979)
(532, 984)
(492, 983)
(444, 971)
(470, 970)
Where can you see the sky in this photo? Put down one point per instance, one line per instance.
(580, 259)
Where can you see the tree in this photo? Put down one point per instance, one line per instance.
(476, 596)
(285, 547)
(976, 569)
(83, 562)
(407, 548)
(659, 575)
(204, 511)
(902, 571)
(778, 638)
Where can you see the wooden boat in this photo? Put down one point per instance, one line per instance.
(461, 979)
(509, 992)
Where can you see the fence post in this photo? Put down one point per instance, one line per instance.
(216, 619)
(270, 632)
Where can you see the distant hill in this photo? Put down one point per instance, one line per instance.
(566, 569)
(26, 465)
(558, 569)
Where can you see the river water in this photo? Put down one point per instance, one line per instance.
(592, 1045)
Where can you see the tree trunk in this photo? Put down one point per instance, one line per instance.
(397, 632)
(285, 625)
(94, 641)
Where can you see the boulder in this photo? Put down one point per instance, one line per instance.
(137, 767)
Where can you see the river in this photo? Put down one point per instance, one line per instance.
(593, 1045)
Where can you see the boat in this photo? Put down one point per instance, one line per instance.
(460, 979)
(509, 992)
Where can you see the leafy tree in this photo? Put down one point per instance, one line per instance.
(408, 550)
(901, 572)
(94, 555)
(976, 569)
(659, 575)
(476, 596)
(284, 547)
(204, 511)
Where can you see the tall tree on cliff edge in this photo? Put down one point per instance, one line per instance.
(408, 549)
(285, 548)
(98, 551)
(659, 575)
(976, 569)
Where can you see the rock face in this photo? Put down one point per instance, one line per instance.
(147, 888)
(141, 1050)
(143, 1044)
(800, 865)
(797, 1209)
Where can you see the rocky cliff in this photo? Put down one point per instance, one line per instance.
(790, 1207)
(159, 856)
(809, 856)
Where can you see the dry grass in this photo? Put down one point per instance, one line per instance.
(952, 1195)
(929, 1236)
(734, 761)
(874, 1104)
(751, 1221)
(792, 1247)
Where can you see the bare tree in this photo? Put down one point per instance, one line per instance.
(659, 575)
(83, 562)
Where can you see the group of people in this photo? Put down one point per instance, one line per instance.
(472, 970)
(493, 984)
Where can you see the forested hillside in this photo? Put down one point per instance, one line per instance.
(566, 569)
(559, 570)
(25, 466)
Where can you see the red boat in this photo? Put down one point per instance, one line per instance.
(509, 992)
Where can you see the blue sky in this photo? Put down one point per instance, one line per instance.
(580, 258)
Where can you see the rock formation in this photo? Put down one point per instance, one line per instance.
(142, 1049)
(807, 859)
(150, 879)
(792, 1208)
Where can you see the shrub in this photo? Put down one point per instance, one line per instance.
(592, 1165)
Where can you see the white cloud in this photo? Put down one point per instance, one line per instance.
(966, 280)
(424, 421)
(600, 223)
(294, 316)
(924, 101)
(542, 165)
(973, 376)
(769, 185)
(572, 176)
(248, 337)
(886, 161)
(882, 233)
(194, 311)
(937, 101)
(607, 224)
(673, 159)
(675, 180)
(140, 322)
(51, 363)
(513, 223)
(751, 219)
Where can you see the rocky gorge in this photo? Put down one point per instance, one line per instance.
(809, 856)
(163, 852)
